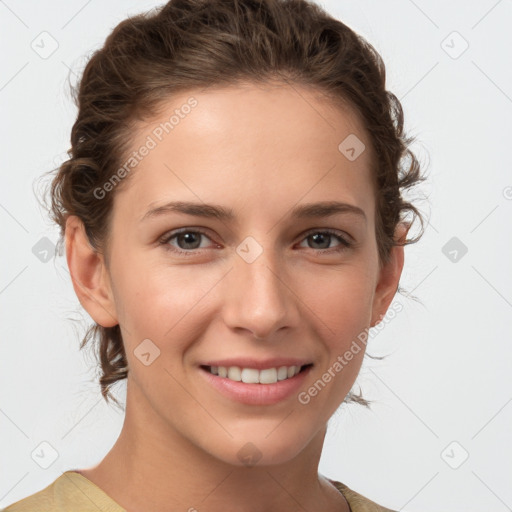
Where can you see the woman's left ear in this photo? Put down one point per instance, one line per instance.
(389, 276)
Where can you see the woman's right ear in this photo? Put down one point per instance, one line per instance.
(89, 274)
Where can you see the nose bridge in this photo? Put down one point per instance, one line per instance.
(259, 300)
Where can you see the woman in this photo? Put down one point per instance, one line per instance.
(233, 219)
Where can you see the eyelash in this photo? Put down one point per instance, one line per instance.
(164, 241)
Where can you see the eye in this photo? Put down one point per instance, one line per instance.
(324, 237)
(188, 240)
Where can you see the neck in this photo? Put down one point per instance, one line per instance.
(152, 467)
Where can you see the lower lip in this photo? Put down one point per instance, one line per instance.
(256, 394)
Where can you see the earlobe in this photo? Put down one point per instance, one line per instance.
(389, 276)
(89, 274)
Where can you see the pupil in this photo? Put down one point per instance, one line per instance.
(315, 237)
(186, 237)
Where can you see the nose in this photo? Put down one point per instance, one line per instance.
(258, 298)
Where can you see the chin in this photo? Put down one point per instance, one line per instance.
(259, 448)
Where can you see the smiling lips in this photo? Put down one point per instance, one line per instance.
(252, 371)
(241, 379)
(255, 376)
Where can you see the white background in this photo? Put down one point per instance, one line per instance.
(448, 373)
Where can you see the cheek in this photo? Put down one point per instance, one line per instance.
(340, 299)
(163, 303)
(339, 305)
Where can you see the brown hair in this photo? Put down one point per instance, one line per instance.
(188, 44)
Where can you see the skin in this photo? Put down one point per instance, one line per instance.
(259, 150)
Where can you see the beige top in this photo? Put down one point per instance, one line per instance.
(72, 491)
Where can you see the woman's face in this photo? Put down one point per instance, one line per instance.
(264, 286)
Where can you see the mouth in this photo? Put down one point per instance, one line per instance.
(262, 386)
(256, 376)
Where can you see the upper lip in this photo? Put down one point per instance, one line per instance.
(257, 364)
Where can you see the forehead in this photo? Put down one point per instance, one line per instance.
(235, 143)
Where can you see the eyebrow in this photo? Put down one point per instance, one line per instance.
(303, 211)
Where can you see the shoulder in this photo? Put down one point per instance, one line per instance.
(41, 500)
(356, 501)
(69, 492)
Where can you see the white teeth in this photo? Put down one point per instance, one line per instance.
(268, 376)
(254, 376)
(250, 376)
(234, 373)
(282, 373)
